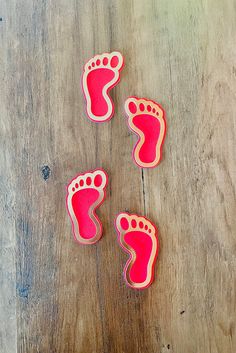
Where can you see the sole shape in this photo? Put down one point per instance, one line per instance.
(91, 180)
(99, 62)
(147, 226)
(135, 107)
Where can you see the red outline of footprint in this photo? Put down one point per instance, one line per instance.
(147, 228)
(148, 107)
(79, 183)
(100, 62)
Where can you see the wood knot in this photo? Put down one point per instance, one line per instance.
(46, 172)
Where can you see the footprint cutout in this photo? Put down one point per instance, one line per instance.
(84, 194)
(101, 73)
(138, 237)
(146, 119)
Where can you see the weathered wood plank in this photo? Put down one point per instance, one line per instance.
(62, 297)
(8, 325)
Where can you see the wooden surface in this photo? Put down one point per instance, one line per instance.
(57, 296)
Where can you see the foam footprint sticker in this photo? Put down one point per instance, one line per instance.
(146, 119)
(138, 237)
(84, 194)
(101, 74)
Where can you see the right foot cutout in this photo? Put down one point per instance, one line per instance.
(101, 73)
(85, 193)
(146, 119)
(138, 236)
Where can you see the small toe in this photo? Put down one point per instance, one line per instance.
(88, 181)
(105, 61)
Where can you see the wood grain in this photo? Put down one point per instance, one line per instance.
(57, 296)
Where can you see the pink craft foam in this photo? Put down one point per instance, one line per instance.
(85, 193)
(101, 74)
(138, 237)
(147, 120)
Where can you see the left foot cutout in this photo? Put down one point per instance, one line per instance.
(85, 193)
(138, 236)
(101, 73)
(146, 119)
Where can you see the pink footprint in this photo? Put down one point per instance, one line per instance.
(101, 73)
(146, 119)
(138, 236)
(85, 193)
